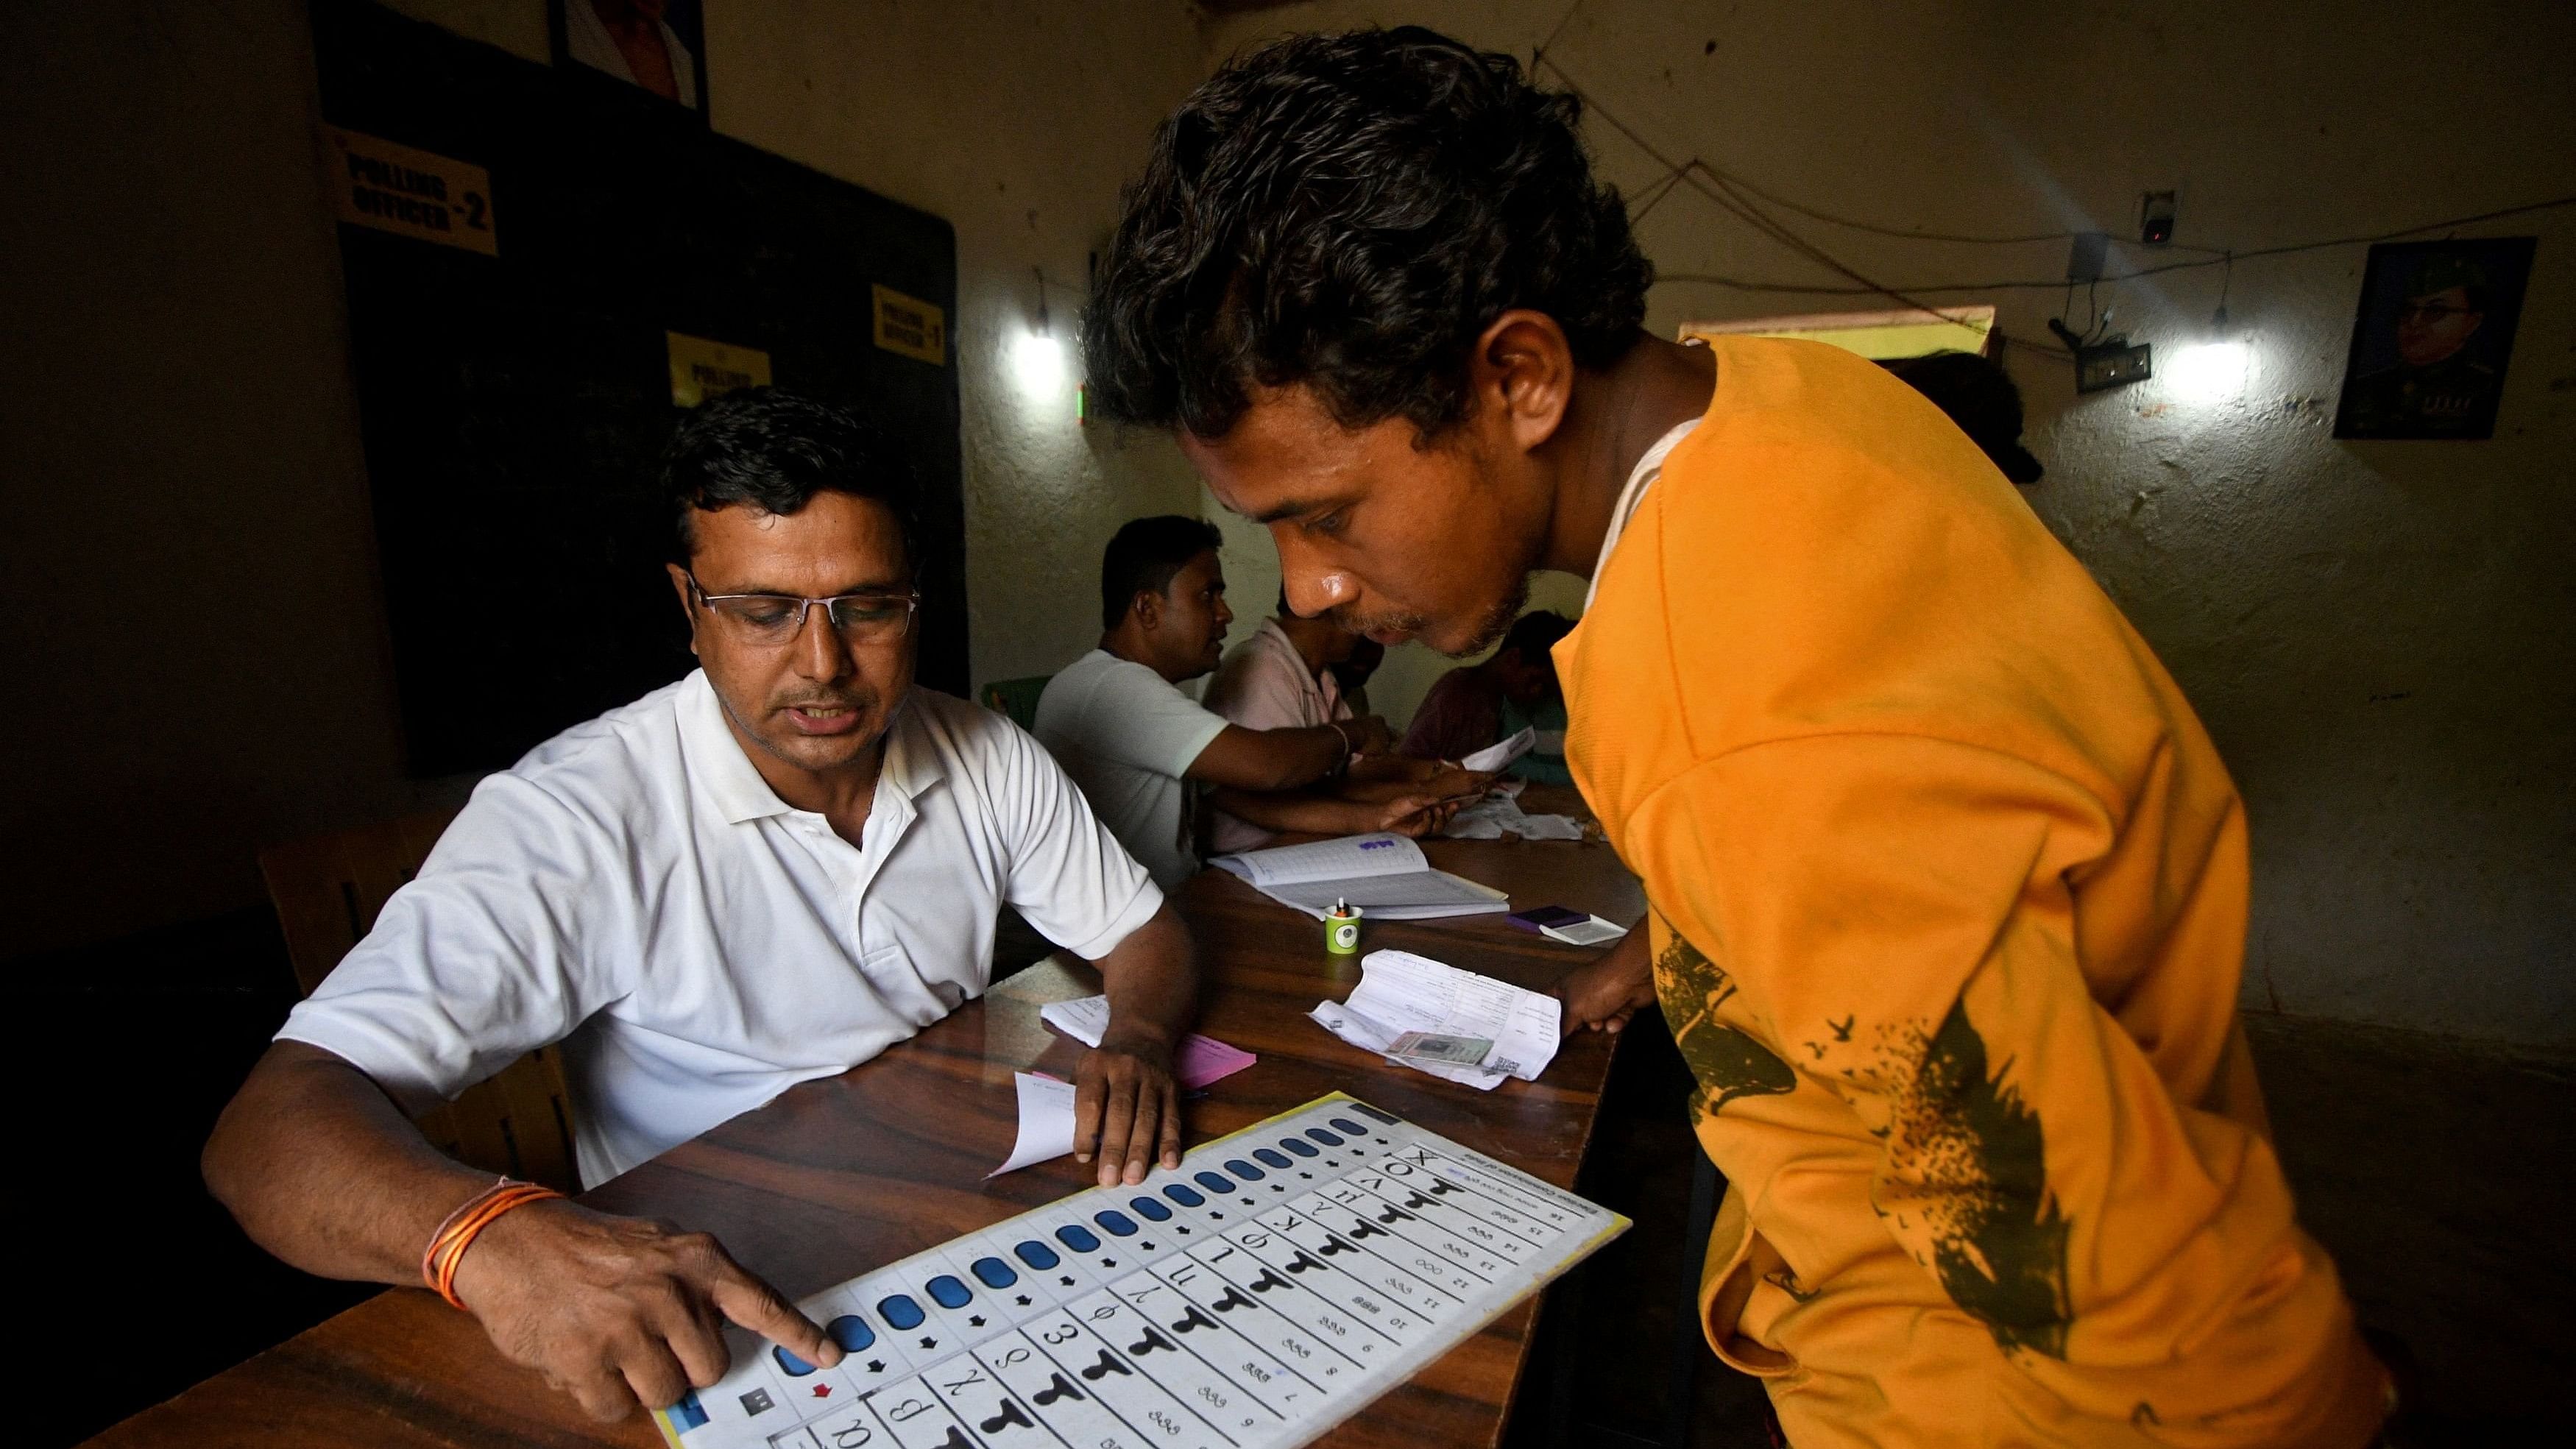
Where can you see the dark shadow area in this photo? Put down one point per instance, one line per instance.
(2438, 1172)
(139, 1044)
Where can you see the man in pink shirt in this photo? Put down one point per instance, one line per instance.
(1281, 678)
(1476, 705)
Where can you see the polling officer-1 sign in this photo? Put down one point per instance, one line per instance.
(411, 192)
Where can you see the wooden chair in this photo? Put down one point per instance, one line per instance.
(328, 890)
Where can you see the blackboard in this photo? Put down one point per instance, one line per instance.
(514, 405)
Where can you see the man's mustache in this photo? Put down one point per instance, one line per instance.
(845, 701)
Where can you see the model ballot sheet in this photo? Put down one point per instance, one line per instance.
(1268, 1289)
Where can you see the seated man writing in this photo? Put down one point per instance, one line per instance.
(763, 874)
(1135, 743)
(1476, 705)
(1282, 677)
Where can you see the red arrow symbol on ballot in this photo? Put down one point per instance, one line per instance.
(822, 1391)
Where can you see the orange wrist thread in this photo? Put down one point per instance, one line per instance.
(447, 1247)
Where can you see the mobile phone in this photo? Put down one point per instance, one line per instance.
(1537, 919)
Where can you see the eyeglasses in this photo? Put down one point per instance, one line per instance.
(770, 621)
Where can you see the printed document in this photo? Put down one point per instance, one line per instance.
(1400, 992)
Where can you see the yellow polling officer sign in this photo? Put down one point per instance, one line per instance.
(408, 191)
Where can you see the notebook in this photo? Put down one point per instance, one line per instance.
(1386, 876)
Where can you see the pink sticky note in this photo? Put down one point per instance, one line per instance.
(1203, 1059)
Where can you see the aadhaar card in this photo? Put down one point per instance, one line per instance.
(1431, 1046)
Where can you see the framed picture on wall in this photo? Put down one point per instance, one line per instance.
(2430, 345)
(658, 46)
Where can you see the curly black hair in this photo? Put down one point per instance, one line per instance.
(772, 450)
(1351, 212)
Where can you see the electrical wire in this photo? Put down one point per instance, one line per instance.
(1708, 182)
(1563, 21)
(1670, 182)
(1729, 191)
(2224, 259)
(1957, 238)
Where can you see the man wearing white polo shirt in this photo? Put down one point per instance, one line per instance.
(761, 875)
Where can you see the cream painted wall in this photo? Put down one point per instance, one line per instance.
(2381, 636)
(179, 426)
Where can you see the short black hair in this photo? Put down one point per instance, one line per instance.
(772, 450)
(1980, 397)
(1144, 554)
(1535, 633)
(1351, 212)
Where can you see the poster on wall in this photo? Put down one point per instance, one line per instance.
(702, 367)
(2430, 345)
(654, 45)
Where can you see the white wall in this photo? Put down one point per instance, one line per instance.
(2381, 636)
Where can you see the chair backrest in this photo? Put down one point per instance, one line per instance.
(327, 891)
(1017, 698)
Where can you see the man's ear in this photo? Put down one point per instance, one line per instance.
(1523, 366)
(680, 584)
(1147, 606)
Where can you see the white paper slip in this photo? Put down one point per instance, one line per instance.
(1385, 875)
(1400, 992)
(1590, 931)
(1084, 1019)
(1197, 1061)
(1499, 814)
(1046, 1122)
(1495, 756)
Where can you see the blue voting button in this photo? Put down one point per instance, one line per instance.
(1273, 1157)
(1345, 1124)
(851, 1332)
(1116, 1222)
(1320, 1135)
(899, 1310)
(1078, 1238)
(797, 1368)
(947, 1292)
(1186, 1197)
(1243, 1169)
(1296, 1146)
(993, 1273)
(1036, 1254)
(1150, 1210)
(1213, 1183)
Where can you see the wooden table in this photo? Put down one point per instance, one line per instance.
(889, 1158)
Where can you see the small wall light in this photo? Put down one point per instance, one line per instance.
(2206, 372)
(1037, 362)
(1037, 357)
